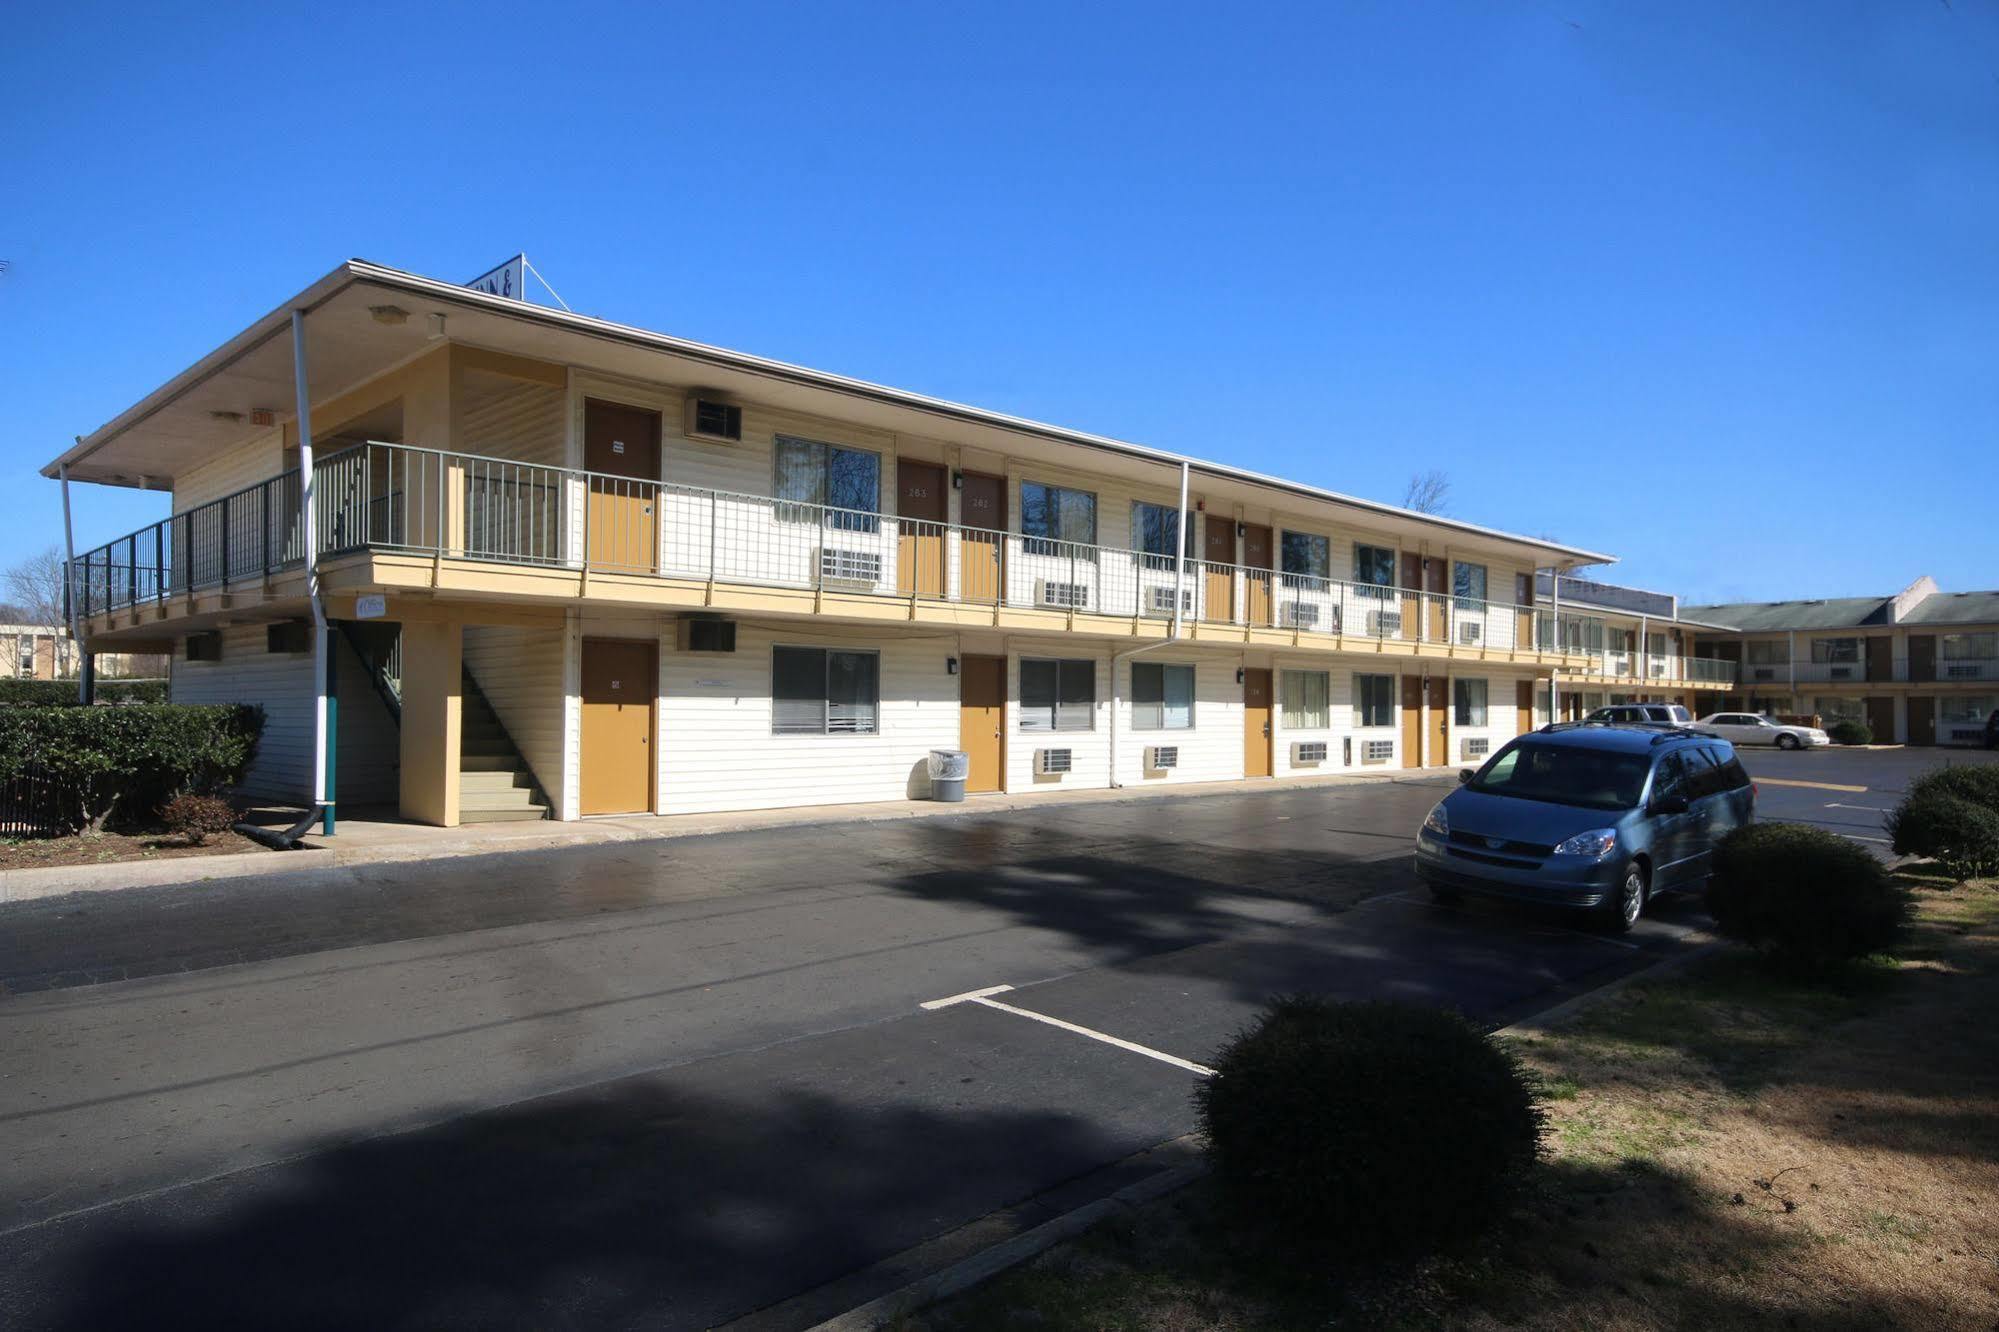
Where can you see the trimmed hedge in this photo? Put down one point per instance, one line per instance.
(1804, 896)
(126, 762)
(62, 693)
(1976, 782)
(1850, 733)
(1345, 1131)
(1960, 836)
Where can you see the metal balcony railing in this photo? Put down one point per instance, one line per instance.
(399, 498)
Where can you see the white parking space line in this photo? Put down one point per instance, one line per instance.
(984, 998)
(1875, 809)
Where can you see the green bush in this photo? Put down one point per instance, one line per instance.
(1849, 733)
(1976, 782)
(1959, 834)
(126, 762)
(1366, 1130)
(1804, 896)
(62, 693)
(196, 817)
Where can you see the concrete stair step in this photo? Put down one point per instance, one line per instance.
(513, 797)
(495, 762)
(524, 814)
(492, 779)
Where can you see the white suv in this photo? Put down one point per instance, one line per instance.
(1746, 728)
(1643, 714)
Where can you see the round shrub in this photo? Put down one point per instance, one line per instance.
(1976, 782)
(1369, 1130)
(197, 817)
(1803, 895)
(1957, 833)
(1849, 733)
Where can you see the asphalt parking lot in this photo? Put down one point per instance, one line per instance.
(685, 1083)
(1847, 791)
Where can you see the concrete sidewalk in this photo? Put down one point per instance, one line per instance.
(375, 836)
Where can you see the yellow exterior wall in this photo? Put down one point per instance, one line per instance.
(433, 664)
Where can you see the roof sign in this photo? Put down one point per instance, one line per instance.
(509, 279)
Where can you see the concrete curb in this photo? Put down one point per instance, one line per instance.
(26, 885)
(983, 1266)
(986, 1264)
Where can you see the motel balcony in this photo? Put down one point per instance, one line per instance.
(1654, 669)
(417, 524)
(1946, 670)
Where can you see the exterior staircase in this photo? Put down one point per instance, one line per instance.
(494, 785)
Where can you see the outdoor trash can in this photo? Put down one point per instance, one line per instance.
(948, 770)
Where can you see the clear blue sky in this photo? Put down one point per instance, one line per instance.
(1711, 286)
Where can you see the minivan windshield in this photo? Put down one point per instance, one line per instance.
(1565, 775)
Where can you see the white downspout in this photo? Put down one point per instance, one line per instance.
(322, 799)
(1555, 672)
(69, 583)
(1172, 634)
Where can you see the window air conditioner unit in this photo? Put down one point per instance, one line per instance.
(1162, 600)
(1477, 747)
(709, 419)
(1470, 631)
(1377, 751)
(1839, 673)
(1070, 596)
(1384, 624)
(1308, 751)
(1960, 735)
(1763, 673)
(850, 566)
(1161, 758)
(205, 646)
(1960, 671)
(1053, 762)
(706, 635)
(1299, 615)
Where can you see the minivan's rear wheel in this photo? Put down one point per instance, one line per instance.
(1628, 902)
(1787, 742)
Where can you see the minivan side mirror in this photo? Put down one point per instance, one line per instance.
(1464, 776)
(1672, 804)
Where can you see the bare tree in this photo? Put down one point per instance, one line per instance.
(1428, 492)
(35, 587)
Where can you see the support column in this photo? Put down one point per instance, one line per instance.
(433, 674)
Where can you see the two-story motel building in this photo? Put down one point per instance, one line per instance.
(572, 568)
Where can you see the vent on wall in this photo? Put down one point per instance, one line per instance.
(1384, 624)
(204, 646)
(1309, 751)
(1477, 746)
(709, 419)
(1299, 615)
(1162, 758)
(1377, 751)
(1162, 599)
(1053, 762)
(704, 635)
(1470, 631)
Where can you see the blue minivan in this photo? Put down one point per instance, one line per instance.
(1589, 816)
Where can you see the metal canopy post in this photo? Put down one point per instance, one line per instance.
(84, 676)
(322, 740)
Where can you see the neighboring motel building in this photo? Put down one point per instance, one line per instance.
(1920, 667)
(570, 567)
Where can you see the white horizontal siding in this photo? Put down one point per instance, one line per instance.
(1210, 751)
(1090, 751)
(717, 751)
(282, 685)
(504, 417)
(521, 671)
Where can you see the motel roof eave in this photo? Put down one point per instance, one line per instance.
(356, 271)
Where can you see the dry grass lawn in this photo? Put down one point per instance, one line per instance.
(1726, 1149)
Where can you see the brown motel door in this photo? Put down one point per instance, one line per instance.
(1922, 719)
(1412, 721)
(1412, 597)
(1922, 658)
(1523, 618)
(621, 451)
(920, 505)
(1880, 659)
(1523, 707)
(1218, 551)
(1255, 722)
(1881, 719)
(1256, 572)
(983, 505)
(1440, 720)
(1438, 630)
(982, 719)
(620, 678)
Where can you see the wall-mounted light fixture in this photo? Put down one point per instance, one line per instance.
(950, 665)
(957, 480)
(1241, 675)
(1242, 529)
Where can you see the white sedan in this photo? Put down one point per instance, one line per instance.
(1744, 728)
